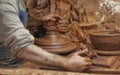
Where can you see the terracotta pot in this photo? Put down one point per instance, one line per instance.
(105, 40)
(56, 43)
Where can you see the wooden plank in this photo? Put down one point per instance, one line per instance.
(94, 69)
(104, 71)
(40, 72)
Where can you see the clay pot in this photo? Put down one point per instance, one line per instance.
(105, 40)
(56, 43)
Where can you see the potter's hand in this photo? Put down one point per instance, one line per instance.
(77, 63)
(39, 56)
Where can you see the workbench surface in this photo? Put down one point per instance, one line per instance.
(32, 69)
(39, 72)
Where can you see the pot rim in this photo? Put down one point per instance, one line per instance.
(110, 33)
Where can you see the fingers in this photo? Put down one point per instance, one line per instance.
(87, 65)
(87, 59)
(83, 67)
(81, 52)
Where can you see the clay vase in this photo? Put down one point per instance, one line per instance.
(105, 40)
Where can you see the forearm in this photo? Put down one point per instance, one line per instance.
(37, 55)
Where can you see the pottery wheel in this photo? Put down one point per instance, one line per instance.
(56, 43)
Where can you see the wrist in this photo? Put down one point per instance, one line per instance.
(64, 63)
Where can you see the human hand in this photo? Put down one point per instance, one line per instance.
(75, 62)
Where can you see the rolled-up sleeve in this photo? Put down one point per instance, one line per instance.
(12, 32)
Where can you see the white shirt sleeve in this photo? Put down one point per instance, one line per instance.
(12, 32)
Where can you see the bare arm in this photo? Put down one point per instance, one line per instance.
(37, 55)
